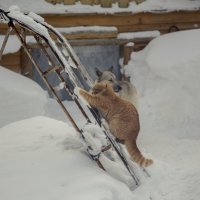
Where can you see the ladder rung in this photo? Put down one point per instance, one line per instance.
(59, 70)
(106, 148)
(51, 69)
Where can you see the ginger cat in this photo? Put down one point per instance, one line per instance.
(121, 116)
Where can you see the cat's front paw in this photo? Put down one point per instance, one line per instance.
(77, 91)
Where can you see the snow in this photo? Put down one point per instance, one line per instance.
(16, 14)
(13, 44)
(36, 26)
(166, 74)
(44, 158)
(39, 160)
(36, 17)
(143, 34)
(41, 6)
(80, 29)
(20, 98)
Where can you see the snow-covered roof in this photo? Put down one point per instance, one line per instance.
(41, 6)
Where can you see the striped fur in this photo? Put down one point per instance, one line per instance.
(121, 116)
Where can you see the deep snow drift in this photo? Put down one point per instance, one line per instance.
(42, 158)
(166, 74)
(20, 97)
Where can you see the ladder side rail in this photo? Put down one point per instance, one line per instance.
(39, 42)
(55, 50)
(44, 78)
(62, 79)
(47, 38)
(75, 84)
(64, 42)
(70, 74)
(106, 132)
(53, 91)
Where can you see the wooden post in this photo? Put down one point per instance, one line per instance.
(127, 50)
(87, 2)
(106, 3)
(123, 3)
(69, 2)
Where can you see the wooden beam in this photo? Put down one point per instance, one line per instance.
(91, 34)
(124, 21)
(67, 20)
(12, 61)
(127, 50)
(163, 28)
(171, 17)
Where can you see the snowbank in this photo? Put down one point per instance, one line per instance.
(169, 67)
(40, 158)
(166, 74)
(13, 44)
(20, 97)
(41, 6)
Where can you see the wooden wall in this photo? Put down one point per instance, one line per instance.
(124, 22)
(127, 22)
(12, 61)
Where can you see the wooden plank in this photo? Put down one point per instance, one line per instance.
(127, 50)
(91, 35)
(170, 17)
(125, 22)
(12, 61)
(101, 42)
(3, 28)
(90, 20)
(163, 28)
(121, 19)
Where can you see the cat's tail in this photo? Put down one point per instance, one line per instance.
(136, 154)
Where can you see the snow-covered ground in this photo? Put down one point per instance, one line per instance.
(20, 98)
(41, 6)
(166, 74)
(43, 158)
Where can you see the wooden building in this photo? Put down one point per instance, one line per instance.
(83, 33)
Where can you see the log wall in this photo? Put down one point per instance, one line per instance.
(124, 22)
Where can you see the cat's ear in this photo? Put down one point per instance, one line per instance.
(111, 69)
(98, 72)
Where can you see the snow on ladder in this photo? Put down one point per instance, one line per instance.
(65, 65)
